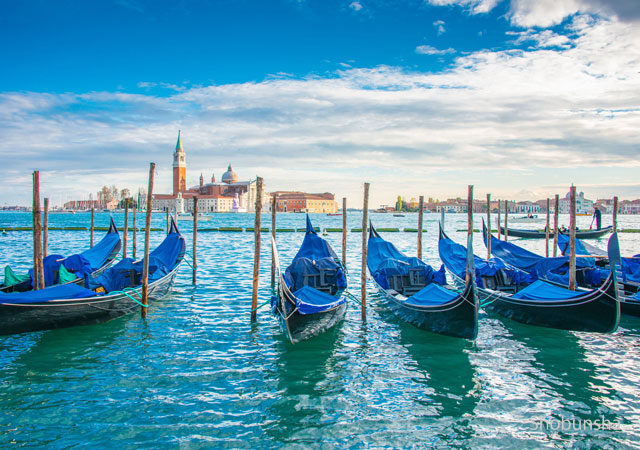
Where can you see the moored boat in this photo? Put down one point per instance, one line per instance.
(310, 293)
(420, 295)
(115, 292)
(541, 234)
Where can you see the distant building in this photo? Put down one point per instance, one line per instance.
(583, 206)
(228, 195)
(295, 201)
(527, 207)
(85, 205)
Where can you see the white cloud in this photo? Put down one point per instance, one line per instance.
(439, 24)
(429, 50)
(356, 6)
(474, 6)
(505, 121)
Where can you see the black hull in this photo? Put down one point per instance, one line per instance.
(596, 311)
(630, 308)
(66, 313)
(457, 318)
(299, 327)
(534, 234)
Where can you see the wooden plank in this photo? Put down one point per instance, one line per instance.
(145, 265)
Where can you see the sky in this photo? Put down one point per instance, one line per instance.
(520, 98)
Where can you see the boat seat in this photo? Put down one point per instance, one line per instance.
(504, 283)
(408, 284)
(324, 281)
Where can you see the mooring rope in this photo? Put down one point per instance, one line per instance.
(352, 297)
(260, 306)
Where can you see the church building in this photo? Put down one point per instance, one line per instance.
(228, 195)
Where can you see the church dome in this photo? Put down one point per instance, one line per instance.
(229, 176)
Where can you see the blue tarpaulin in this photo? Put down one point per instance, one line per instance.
(541, 291)
(310, 300)
(315, 261)
(63, 291)
(99, 253)
(454, 256)
(432, 294)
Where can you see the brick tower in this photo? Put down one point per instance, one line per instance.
(179, 168)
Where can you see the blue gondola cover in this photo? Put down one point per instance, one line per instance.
(310, 300)
(432, 294)
(541, 291)
(64, 291)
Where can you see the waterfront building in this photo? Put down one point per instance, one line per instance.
(295, 201)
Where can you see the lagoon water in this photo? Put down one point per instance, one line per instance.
(197, 373)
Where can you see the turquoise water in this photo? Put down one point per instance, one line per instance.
(197, 373)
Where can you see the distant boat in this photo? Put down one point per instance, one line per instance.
(334, 214)
(398, 215)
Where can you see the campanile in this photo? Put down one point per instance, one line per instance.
(179, 168)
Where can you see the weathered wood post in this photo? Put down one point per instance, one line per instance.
(546, 232)
(38, 272)
(615, 213)
(195, 238)
(506, 220)
(344, 231)
(45, 228)
(363, 272)
(92, 223)
(499, 223)
(489, 226)
(135, 230)
(420, 214)
(256, 249)
(556, 211)
(469, 221)
(167, 220)
(274, 208)
(572, 222)
(147, 229)
(126, 228)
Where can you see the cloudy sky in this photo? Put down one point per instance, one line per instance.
(519, 97)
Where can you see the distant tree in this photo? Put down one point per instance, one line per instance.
(125, 193)
(115, 192)
(106, 194)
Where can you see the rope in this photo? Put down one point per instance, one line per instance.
(132, 298)
(260, 306)
(187, 261)
(352, 297)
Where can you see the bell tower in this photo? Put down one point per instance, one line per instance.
(179, 168)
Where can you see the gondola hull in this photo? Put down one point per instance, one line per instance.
(458, 318)
(299, 327)
(630, 307)
(596, 311)
(535, 234)
(21, 318)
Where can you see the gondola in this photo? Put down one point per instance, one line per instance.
(117, 291)
(519, 296)
(420, 295)
(541, 234)
(630, 273)
(72, 269)
(310, 294)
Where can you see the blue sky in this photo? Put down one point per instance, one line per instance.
(418, 97)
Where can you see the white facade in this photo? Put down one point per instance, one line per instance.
(583, 206)
(527, 208)
(630, 208)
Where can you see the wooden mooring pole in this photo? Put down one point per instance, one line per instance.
(469, 221)
(363, 272)
(93, 213)
(256, 249)
(167, 220)
(555, 225)
(572, 224)
(506, 220)
(615, 213)
(45, 228)
(126, 228)
(344, 231)
(147, 229)
(489, 226)
(420, 217)
(135, 230)
(499, 233)
(546, 229)
(195, 239)
(274, 209)
(38, 271)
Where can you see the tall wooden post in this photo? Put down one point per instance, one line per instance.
(126, 228)
(556, 211)
(546, 233)
(45, 228)
(572, 222)
(38, 271)
(499, 223)
(147, 229)
(274, 210)
(363, 272)
(344, 231)
(489, 226)
(506, 220)
(615, 213)
(420, 214)
(135, 230)
(92, 223)
(195, 238)
(256, 249)
(469, 220)
(167, 220)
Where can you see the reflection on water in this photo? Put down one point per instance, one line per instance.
(197, 373)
